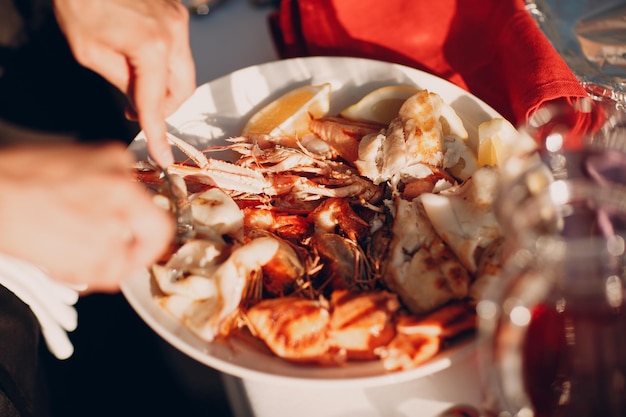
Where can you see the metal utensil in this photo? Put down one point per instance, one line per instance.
(182, 209)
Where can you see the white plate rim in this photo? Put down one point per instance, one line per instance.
(137, 290)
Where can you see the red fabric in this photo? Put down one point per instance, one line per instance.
(492, 48)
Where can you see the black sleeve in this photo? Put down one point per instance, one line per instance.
(20, 19)
(42, 87)
(23, 391)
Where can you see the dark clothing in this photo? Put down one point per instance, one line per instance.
(22, 388)
(41, 85)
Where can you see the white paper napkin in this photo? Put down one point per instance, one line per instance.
(51, 302)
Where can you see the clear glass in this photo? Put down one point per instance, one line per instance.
(552, 332)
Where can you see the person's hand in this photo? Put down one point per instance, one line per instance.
(140, 46)
(76, 212)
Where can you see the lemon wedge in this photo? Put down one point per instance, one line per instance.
(289, 114)
(498, 140)
(383, 104)
(379, 106)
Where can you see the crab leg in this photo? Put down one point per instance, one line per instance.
(195, 154)
(216, 172)
(224, 175)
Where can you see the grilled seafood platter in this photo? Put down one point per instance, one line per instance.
(346, 241)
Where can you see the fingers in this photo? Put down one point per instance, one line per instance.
(108, 62)
(182, 70)
(149, 94)
(164, 78)
(153, 230)
(136, 236)
(140, 46)
(135, 231)
(143, 230)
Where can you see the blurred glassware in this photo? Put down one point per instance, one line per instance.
(552, 331)
(590, 35)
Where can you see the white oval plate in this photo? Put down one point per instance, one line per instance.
(218, 110)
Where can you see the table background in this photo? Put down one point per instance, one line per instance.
(234, 36)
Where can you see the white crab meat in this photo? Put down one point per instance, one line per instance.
(452, 125)
(459, 159)
(463, 215)
(204, 302)
(187, 270)
(489, 270)
(420, 268)
(414, 136)
(218, 212)
(460, 149)
(192, 287)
